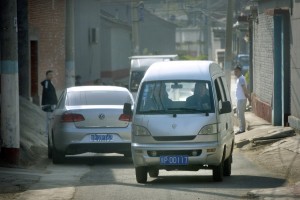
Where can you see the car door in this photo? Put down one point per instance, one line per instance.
(225, 126)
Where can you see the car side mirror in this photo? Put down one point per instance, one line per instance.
(226, 107)
(127, 113)
(127, 109)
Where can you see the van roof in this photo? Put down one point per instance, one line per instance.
(182, 70)
(153, 56)
(96, 88)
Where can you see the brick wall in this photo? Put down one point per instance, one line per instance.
(263, 65)
(47, 26)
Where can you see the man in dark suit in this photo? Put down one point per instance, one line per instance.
(49, 98)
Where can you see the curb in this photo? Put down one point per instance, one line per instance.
(289, 192)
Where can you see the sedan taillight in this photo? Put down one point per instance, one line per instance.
(72, 117)
(124, 117)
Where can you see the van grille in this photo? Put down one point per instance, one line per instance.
(174, 138)
(175, 152)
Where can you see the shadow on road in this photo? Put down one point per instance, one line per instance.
(117, 160)
(235, 181)
(117, 170)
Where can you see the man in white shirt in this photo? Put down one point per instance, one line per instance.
(241, 97)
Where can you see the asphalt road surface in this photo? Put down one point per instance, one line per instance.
(112, 176)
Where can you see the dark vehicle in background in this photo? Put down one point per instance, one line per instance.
(243, 61)
(90, 119)
(140, 64)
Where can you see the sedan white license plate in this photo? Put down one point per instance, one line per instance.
(174, 160)
(101, 137)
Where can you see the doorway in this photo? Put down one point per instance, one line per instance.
(281, 98)
(34, 71)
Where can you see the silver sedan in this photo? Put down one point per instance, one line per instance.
(90, 119)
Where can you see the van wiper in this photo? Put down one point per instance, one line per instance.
(192, 110)
(153, 111)
(185, 109)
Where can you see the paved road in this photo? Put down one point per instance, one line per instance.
(113, 177)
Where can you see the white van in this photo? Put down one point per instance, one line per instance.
(182, 120)
(139, 65)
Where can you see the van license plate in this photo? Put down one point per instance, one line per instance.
(174, 160)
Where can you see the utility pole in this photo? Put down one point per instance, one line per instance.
(228, 43)
(10, 123)
(208, 32)
(135, 27)
(69, 45)
(23, 50)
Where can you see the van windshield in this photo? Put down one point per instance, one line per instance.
(180, 97)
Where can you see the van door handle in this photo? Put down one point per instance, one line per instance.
(226, 126)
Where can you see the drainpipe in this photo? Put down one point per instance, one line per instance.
(23, 50)
(10, 123)
(135, 27)
(228, 43)
(69, 44)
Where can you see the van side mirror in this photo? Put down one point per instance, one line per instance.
(226, 107)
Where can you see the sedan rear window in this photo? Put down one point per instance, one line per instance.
(97, 98)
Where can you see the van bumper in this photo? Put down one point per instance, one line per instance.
(208, 154)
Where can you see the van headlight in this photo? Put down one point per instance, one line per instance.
(209, 129)
(139, 130)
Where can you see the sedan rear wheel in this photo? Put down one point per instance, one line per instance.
(49, 149)
(141, 174)
(58, 157)
(127, 154)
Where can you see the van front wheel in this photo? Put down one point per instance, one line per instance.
(153, 173)
(227, 166)
(218, 172)
(141, 174)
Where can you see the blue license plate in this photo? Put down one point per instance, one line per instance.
(174, 160)
(101, 137)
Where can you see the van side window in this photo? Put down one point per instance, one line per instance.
(222, 90)
(218, 91)
(225, 89)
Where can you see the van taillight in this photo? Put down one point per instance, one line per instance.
(72, 117)
(124, 117)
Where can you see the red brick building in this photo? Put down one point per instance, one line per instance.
(46, 21)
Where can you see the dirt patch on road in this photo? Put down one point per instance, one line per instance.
(276, 158)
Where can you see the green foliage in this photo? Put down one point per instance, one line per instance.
(188, 57)
(247, 77)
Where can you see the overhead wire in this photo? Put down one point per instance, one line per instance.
(214, 9)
